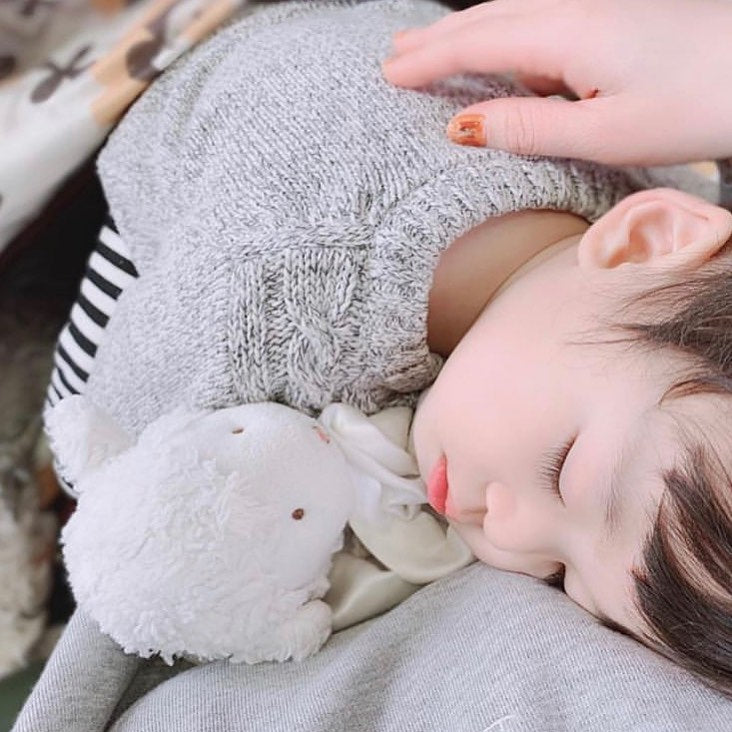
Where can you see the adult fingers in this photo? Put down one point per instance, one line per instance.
(504, 43)
(410, 38)
(593, 129)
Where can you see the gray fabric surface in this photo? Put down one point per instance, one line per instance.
(461, 654)
(81, 682)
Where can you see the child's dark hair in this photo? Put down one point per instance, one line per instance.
(684, 588)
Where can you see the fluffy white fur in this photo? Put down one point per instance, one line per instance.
(188, 542)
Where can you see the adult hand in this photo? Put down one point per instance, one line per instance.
(652, 79)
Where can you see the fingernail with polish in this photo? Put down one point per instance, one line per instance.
(467, 129)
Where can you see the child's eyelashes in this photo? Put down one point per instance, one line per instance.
(551, 467)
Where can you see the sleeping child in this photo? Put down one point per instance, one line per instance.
(287, 226)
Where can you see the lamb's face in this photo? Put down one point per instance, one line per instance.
(284, 461)
(249, 437)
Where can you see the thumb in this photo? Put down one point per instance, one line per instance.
(588, 129)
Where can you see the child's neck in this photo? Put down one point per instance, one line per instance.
(473, 268)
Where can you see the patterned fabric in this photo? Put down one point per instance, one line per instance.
(68, 71)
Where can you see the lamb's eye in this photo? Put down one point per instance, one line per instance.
(237, 430)
(298, 513)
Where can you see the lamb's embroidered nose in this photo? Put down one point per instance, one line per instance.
(237, 431)
(324, 436)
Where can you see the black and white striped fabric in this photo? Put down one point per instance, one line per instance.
(108, 271)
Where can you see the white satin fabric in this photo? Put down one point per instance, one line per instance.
(394, 541)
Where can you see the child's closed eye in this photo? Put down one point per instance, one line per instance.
(551, 468)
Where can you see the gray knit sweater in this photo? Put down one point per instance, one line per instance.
(286, 207)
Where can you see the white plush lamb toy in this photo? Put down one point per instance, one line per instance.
(209, 537)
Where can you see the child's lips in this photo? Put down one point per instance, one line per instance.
(437, 485)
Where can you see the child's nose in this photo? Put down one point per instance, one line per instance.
(464, 515)
(495, 501)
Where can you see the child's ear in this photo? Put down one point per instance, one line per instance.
(662, 228)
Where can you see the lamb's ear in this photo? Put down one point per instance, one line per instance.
(82, 436)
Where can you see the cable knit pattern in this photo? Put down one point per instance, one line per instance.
(286, 207)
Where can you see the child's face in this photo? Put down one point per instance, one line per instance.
(513, 392)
